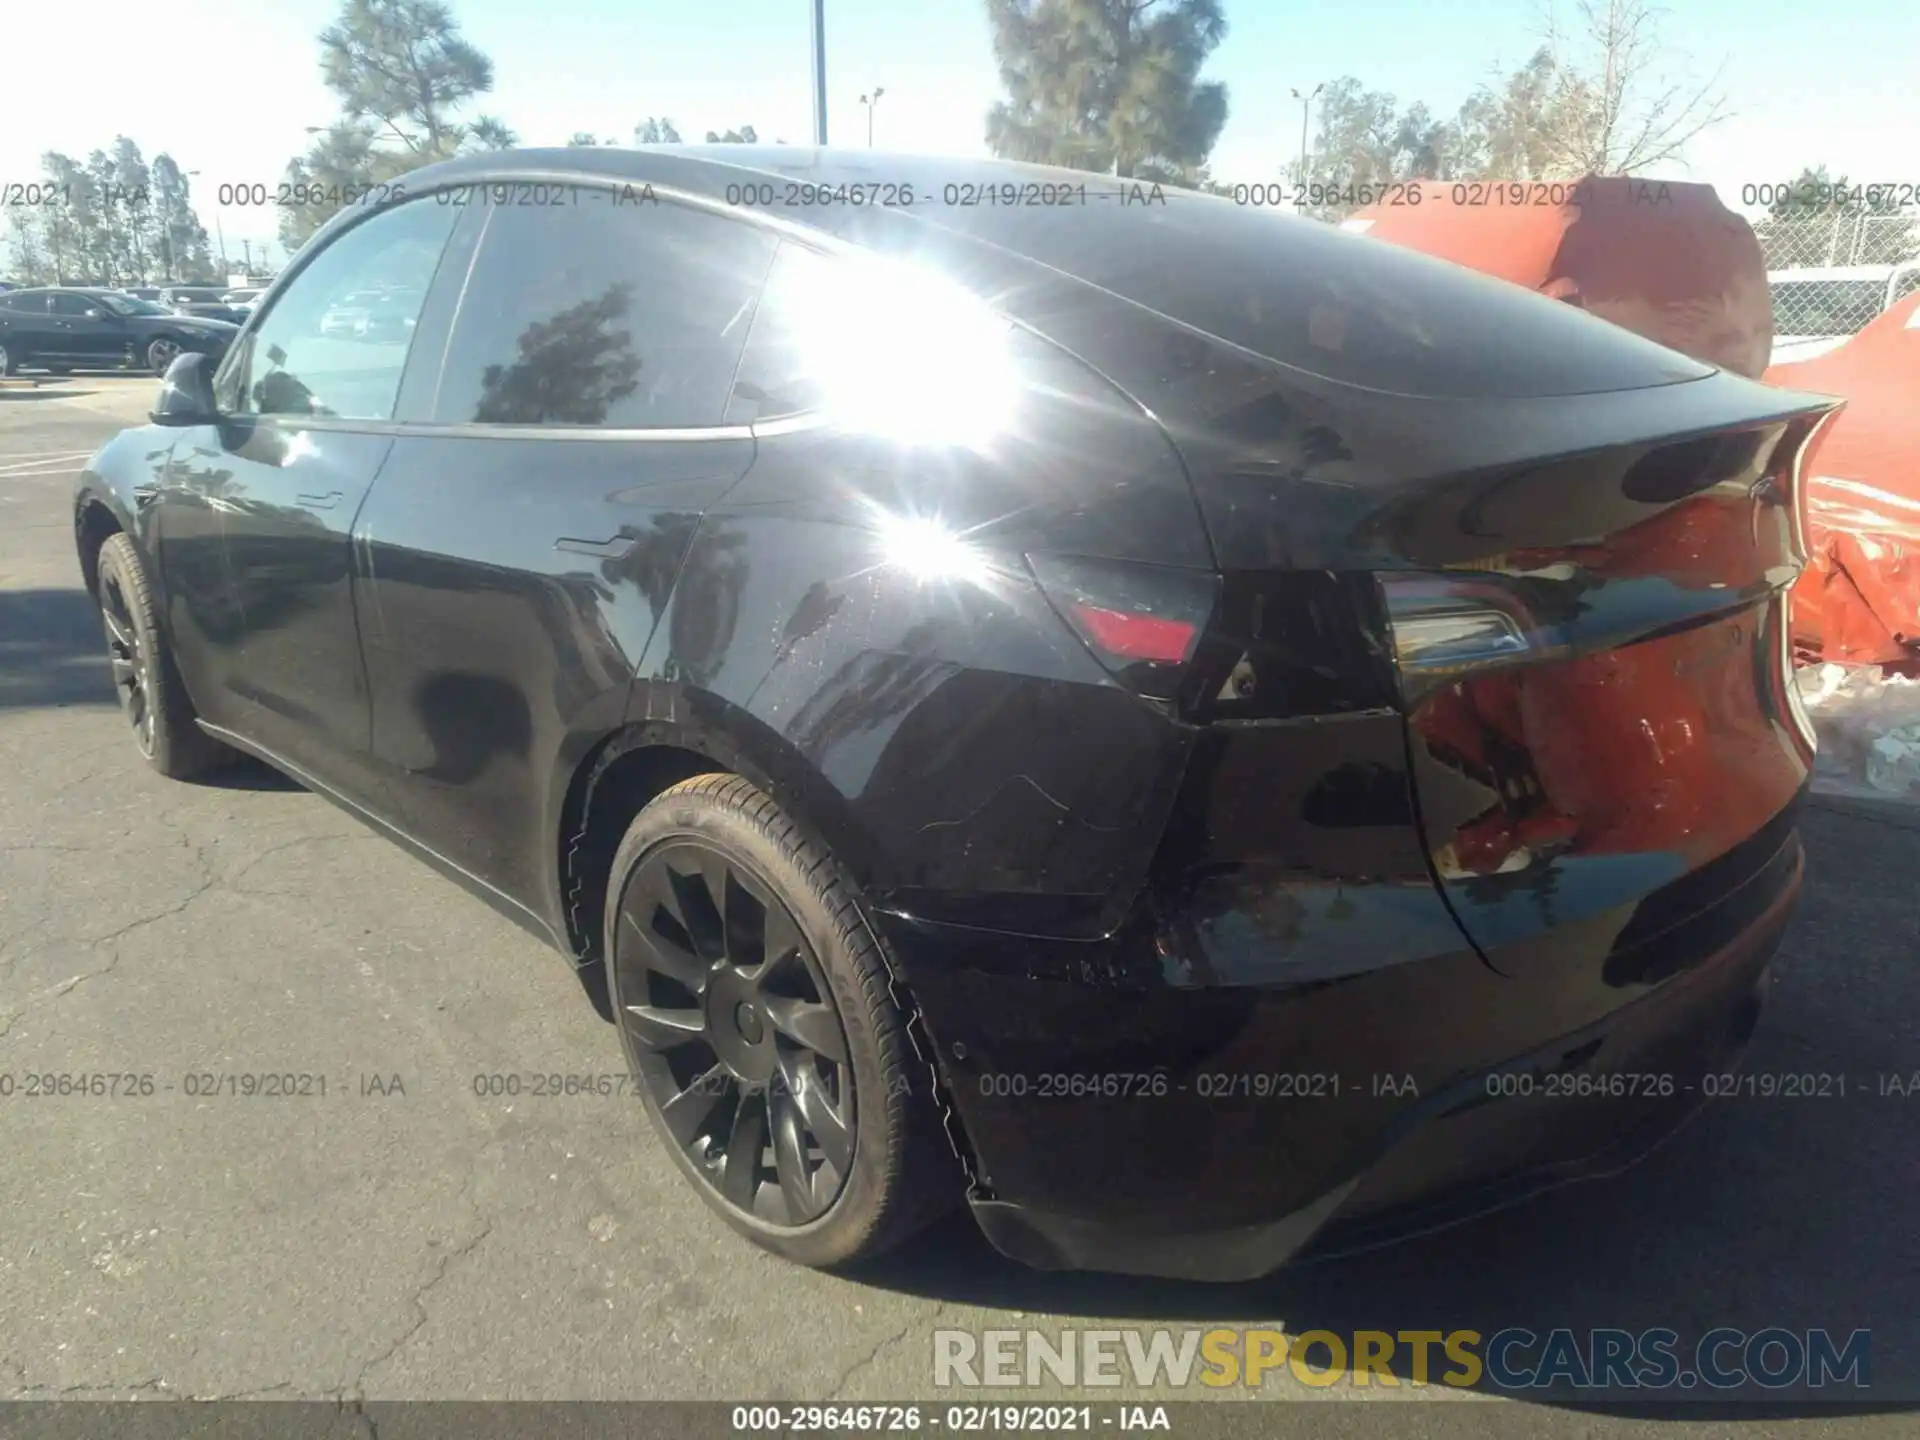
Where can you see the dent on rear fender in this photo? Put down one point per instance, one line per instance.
(992, 771)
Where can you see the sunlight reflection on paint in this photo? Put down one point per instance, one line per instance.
(906, 354)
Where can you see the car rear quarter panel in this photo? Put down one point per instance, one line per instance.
(954, 740)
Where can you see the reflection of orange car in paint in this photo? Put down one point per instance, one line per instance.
(1859, 600)
(1573, 758)
(1570, 763)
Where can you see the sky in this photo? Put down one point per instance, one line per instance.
(229, 87)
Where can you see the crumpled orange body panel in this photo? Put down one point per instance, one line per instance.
(1859, 601)
(1661, 258)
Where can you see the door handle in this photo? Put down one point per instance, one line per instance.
(319, 502)
(602, 549)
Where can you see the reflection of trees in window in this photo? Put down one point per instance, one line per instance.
(571, 369)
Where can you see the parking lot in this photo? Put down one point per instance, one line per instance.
(406, 1235)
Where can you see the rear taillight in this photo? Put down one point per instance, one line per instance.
(1142, 622)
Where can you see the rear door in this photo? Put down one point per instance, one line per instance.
(88, 333)
(534, 512)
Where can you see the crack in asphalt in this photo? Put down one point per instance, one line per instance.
(111, 938)
(884, 1344)
(418, 1301)
(208, 882)
(154, 1383)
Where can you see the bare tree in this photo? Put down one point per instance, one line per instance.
(1616, 105)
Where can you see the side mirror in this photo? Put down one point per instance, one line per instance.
(92, 313)
(186, 394)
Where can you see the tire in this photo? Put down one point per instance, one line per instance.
(900, 1173)
(152, 694)
(10, 361)
(160, 354)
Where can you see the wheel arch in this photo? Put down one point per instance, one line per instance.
(628, 768)
(94, 523)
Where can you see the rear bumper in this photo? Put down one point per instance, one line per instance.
(1427, 1109)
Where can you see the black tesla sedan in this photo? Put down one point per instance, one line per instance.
(1196, 733)
(76, 328)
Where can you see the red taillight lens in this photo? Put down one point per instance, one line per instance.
(1128, 636)
(1142, 622)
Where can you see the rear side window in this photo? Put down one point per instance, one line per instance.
(775, 375)
(604, 313)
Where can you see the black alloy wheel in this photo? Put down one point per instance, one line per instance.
(130, 660)
(152, 695)
(732, 1027)
(768, 1041)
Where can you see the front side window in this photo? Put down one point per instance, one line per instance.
(323, 350)
(74, 304)
(608, 313)
(132, 305)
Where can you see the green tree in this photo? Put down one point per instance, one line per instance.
(1502, 131)
(745, 135)
(583, 139)
(404, 65)
(1365, 141)
(655, 131)
(403, 73)
(179, 244)
(1108, 85)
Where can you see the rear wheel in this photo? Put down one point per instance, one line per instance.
(160, 354)
(9, 361)
(152, 695)
(755, 1010)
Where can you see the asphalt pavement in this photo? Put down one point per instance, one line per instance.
(411, 1234)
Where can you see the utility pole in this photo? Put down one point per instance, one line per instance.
(872, 102)
(1306, 101)
(819, 72)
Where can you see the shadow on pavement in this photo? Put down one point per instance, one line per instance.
(53, 655)
(52, 651)
(1796, 1213)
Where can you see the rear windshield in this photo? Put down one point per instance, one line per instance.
(1334, 304)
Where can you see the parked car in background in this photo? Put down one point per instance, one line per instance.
(204, 301)
(242, 300)
(143, 292)
(67, 329)
(1686, 272)
(1162, 731)
(1816, 310)
(347, 316)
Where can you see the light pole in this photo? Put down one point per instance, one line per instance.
(872, 102)
(1306, 102)
(819, 72)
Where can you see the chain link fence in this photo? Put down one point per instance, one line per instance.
(1832, 273)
